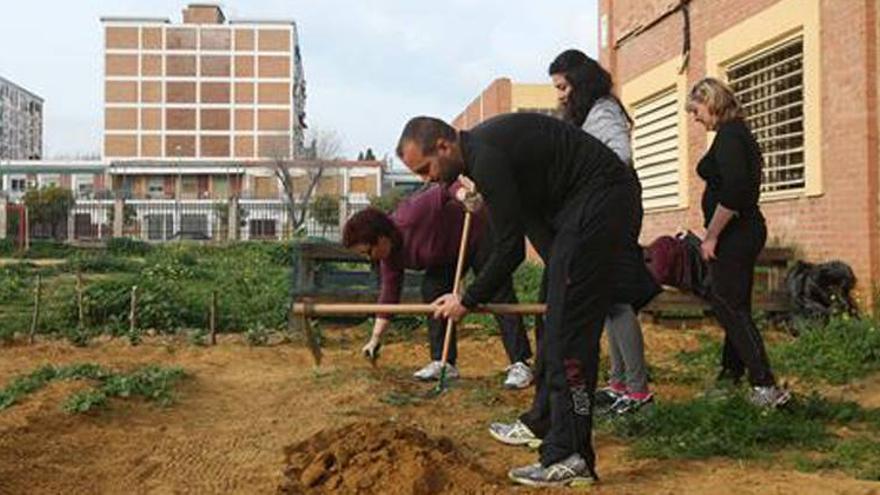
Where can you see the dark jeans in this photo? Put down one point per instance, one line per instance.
(440, 280)
(633, 286)
(731, 276)
(578, 291)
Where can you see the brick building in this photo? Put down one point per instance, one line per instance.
(21, 123)
(806, 71)
(504, 96)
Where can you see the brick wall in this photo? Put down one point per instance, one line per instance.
(495, 99)
(842, 222)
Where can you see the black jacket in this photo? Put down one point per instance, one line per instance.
(530, 167)
(732, 171)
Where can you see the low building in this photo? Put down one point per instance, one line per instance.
(21, 123)
(505, 96)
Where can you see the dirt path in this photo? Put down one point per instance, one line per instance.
(242, 406)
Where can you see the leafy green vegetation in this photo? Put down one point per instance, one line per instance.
(733, 427)
(153, 383)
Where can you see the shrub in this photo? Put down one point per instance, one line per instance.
(126, 246)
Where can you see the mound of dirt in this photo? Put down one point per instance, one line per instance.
(386, 458)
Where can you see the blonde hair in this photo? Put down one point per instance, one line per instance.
(718, 97)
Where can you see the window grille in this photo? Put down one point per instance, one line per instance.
(770, 87)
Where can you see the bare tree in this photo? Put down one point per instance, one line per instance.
(324, 148)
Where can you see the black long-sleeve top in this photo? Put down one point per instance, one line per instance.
(732, 171)
(529, 167)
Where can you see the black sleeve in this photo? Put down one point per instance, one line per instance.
(733, 164)
(494, 179)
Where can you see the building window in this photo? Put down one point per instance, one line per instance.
(770, 87)
(156, 188)
(655, 148)
(262, 229)
(18, 185)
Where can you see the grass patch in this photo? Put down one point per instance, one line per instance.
(153, 383)
(859, 457)
(732, 427)
(844, 349)
(837, 352)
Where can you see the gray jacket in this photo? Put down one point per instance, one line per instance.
(607, 123)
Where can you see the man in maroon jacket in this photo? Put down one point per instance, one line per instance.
(424, 233)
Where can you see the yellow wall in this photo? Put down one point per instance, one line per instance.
(532, 96)
(780, 22)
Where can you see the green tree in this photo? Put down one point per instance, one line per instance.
(388, 201)
(325, 211)
(369, 154)
(49, 207)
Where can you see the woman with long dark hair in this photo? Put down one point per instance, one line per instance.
(586, 100)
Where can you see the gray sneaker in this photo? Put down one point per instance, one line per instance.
(769, 397)
(431, 372)
(572, 472)
(516, 433)
(519, 376)
(629, 404)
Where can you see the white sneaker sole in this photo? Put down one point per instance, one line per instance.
(576, 482)
(513, 386)
(513, 441)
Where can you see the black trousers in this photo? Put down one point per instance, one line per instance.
(731, 275)
(440, 280)
(578, 287)
(632, 284)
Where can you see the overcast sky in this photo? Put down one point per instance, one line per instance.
(369, 65)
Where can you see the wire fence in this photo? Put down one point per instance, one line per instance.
(162, 220)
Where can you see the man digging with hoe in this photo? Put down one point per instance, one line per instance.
(574, 199)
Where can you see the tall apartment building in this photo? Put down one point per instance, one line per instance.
(504, 96)
(209, 88)
(21, 123)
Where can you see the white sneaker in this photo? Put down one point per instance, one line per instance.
(519, 376)
(516, 433)
(431, 372)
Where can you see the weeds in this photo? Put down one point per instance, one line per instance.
(844, 349)
(732, 427)
(153, 383)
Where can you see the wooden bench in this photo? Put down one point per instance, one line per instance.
(768, 295)
(318, 276)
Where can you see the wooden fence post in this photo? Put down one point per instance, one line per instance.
(79, 299)
(37, 293)
(132, 315)
(212, 320)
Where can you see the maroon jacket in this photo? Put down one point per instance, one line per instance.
(430, 223)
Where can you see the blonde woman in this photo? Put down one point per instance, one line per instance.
(735, 234)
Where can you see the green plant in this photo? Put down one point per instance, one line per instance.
(388, 201)
(152, 382)
(126, 246)
(7, 247)
(198, 337)
(49, 206)
(257, 335)
(837, 352)
(325, 210)
(732, 427)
